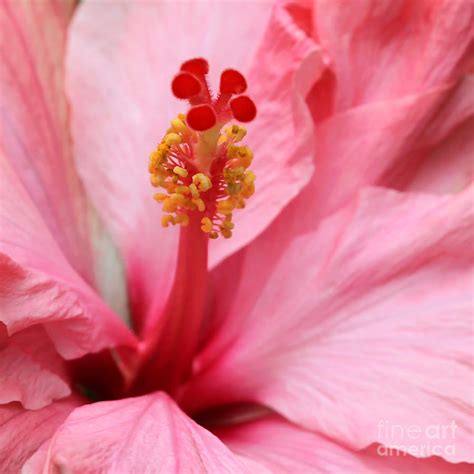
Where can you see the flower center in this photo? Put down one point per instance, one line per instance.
(203, 170)
(201, 165)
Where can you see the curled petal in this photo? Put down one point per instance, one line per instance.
(22, 431)
(38, 286)
(31, 371)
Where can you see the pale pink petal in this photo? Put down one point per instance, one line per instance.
(384, 112)
(384, 50)
(38, 286)
(145, 434)
(122, 58)
(285, 448)
(390, 143)
(34, 120)
(367, 319)
(31, 371)
(22, 431)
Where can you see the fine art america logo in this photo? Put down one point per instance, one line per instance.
(416, 440)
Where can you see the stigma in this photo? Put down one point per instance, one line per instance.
(201, 164)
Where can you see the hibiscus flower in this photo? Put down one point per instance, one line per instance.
(328, 328)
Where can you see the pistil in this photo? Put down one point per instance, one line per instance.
(204, 176)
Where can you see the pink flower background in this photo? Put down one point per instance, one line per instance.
(345, 296)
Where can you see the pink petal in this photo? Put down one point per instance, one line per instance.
(119, 71)
(38, 286)
(23, 431)
(387, 143)
(35, 463)
(145, 434)
(285, 68)
(285, 448)
(34, 120)
(375, 49)
(386, 113)
(447, 166)
(31, 371)
(366, 319)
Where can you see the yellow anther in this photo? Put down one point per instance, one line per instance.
(172, 139)
(180, 171)
(226, 233)
(178, 125)
(158, 179)
(155, 180)
(166, 220)
(154, 161)
(200, 204)
(213, 235)
(178, 198)
(169, 186)
(182, 189)
(194, 190)
(161, 171)
(234, 172)
(234, 188)
(160, 197)
(182, 117)
(227, 225)
(182, 219)
(249, 177)
(202, 182)
(155, 155)
(225, 207)
(169, 205)
(232, 151)
(222, 139)
(236, 132)
(163, 148)
(245, 156)
(239, 202)
(248, 190)
(206, 225)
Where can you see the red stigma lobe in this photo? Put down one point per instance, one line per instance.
(201, 117)
(185, 86)
(198, 66)
(243, 108)
(232, 82)
(207, 111)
